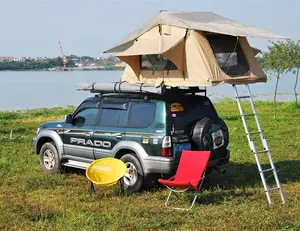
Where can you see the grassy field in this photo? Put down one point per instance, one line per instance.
(33, 200)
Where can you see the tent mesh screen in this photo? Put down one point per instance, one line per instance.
(229, 54)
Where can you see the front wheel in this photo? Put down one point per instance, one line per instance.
(49, 159)
(133, 179)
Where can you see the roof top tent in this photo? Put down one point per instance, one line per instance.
(198, 49)
(191, 49)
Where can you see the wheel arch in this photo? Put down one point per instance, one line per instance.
(124, 151)
(49, 136)
(41, 142)
(135, 148)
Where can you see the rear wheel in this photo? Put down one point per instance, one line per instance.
(49, 159)
(133, 179)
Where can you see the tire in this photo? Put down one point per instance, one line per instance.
(134, 178)
(211, 134)
(49, 159)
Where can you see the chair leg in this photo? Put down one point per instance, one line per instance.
(92, 189)
(169, 196)
(194, 200)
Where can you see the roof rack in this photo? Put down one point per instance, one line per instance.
(137, 88)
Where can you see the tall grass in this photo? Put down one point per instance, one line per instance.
(33, 200)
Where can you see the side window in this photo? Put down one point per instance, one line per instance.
(113, 118)
(141, 114)
(86, 114)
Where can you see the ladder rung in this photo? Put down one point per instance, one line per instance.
(268, 170)
(243, 97)
(252, 133)
(272, 189)
(252, 114)
(262, 151)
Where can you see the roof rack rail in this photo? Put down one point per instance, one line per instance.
(137, 88)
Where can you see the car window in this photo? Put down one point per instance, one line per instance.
(113, 118)
(86, 114)
(141, 114)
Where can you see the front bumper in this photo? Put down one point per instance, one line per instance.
(34, 144)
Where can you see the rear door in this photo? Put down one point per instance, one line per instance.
(184, 111)
(110, 128)
(78, 135)
(146, 125)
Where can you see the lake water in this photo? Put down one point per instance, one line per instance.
(35, 89)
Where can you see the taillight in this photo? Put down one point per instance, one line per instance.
(166, 147)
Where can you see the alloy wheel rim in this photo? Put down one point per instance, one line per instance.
(131, 175)
(48, 159)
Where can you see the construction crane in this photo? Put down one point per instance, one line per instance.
(64, 58)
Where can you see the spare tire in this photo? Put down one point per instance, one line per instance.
(211, 134)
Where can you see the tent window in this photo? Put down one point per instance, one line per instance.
(229, 54)
(156, 63)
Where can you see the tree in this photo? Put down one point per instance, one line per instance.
(294, 54)
(277, 62)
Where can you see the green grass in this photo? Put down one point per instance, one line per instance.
(33, 200)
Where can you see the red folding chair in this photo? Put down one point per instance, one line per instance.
(190, 175)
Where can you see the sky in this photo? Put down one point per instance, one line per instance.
(89, 27)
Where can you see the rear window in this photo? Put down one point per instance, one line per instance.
(229, 54)
(113, 118)
(188, 109)
(141, 114)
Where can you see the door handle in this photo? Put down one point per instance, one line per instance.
(88, 133)
(119, 136)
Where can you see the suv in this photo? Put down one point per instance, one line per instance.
(146, 131)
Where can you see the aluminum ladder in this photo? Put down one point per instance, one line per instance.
(256, 152)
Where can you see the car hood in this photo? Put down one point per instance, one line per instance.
(53, 125)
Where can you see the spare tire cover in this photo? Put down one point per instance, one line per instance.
(211, 134)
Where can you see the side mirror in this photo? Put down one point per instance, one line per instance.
(68, 118)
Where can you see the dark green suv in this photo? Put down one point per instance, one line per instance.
(146, 131)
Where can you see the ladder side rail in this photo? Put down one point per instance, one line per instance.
(255, 116)
(261, 173)
(243, 117)
(274, 171)
(266, 146)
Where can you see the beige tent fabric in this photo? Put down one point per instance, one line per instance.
(200, 21)
(197, 66)
(181, 38)
(156, 41)
(133, 62)
(177, 55)
(161, 39)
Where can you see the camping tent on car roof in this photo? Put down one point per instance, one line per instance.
(191, 49)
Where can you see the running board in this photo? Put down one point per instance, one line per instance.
(76, 164)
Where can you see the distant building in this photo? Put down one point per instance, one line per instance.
(6, 58)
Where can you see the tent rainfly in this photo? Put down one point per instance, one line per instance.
(191, 49)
